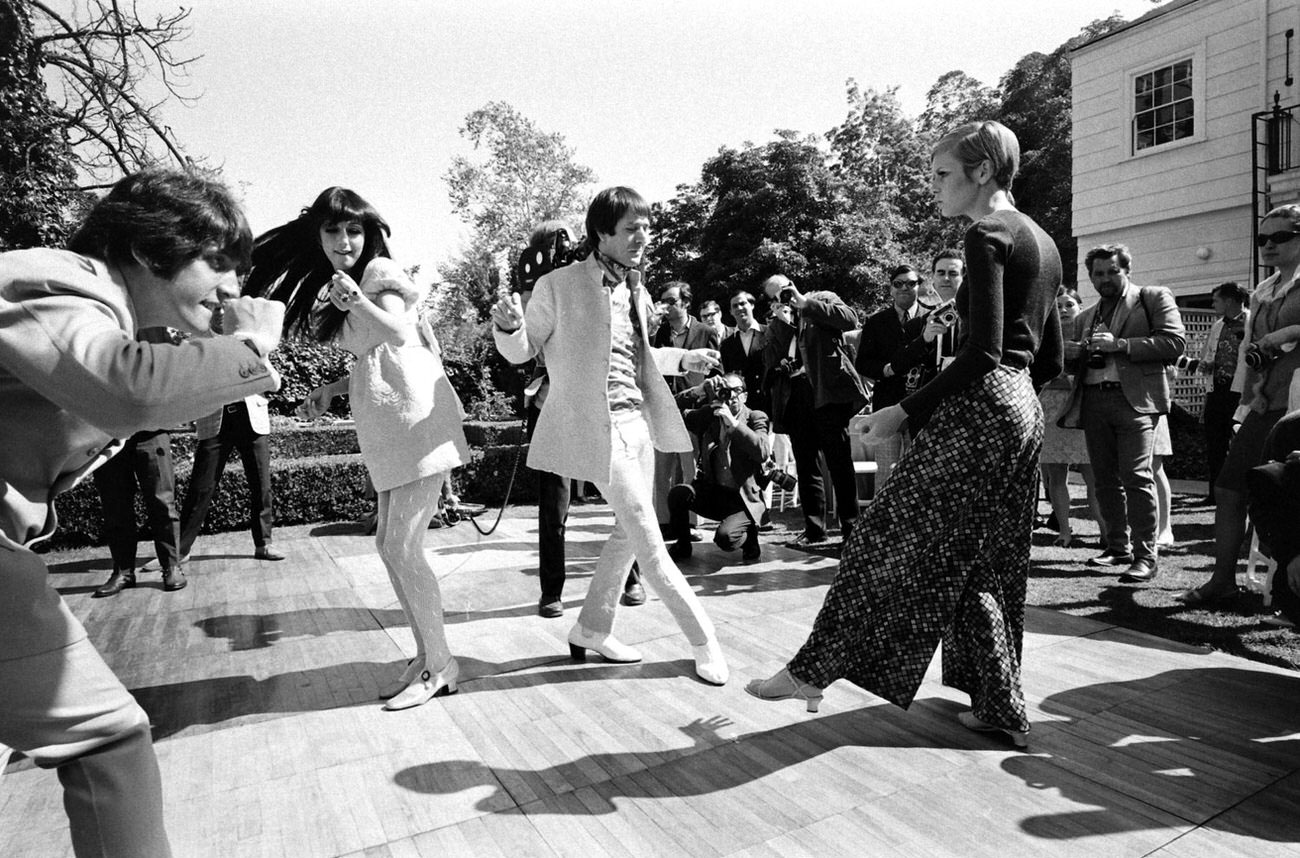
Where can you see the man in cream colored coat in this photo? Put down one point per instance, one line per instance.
(161, 249)
(608, 409)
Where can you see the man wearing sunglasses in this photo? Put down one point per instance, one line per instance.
(883, 358)
(733, 444)
(1119, 350)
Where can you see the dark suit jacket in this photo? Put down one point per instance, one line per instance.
(749, 365)
(884, 336)
(698, 336)
(822, 323)
(749, 448)
(1152, 345)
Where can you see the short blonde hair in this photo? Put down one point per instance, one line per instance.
(977, 142)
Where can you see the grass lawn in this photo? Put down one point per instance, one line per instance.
(1060, 580)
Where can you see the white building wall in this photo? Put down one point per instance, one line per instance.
(1184, 208)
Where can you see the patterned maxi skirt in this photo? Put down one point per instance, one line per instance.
(942, 554)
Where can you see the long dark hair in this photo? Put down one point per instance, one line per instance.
(289, 265)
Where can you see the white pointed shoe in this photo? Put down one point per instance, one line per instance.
(427, 686)
(710, 664)
(581, 640)
(413, 668)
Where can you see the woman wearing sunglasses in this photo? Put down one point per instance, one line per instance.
(1271, 357)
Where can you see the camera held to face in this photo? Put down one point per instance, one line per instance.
(1256, 358)
(786, 295)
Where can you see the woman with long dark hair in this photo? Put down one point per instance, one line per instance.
(942, 552)
(332, 269)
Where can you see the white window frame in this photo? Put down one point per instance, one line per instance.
(1197, 56)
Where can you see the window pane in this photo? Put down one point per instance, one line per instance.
(1182, 110)
(1142, 83)
(1164, 115)
(1162, 95)
(1145, 140)
(1182, 90)
(1142, 102)
(1146, 121)
(1183, 70)
(1164, 134)
(1184, 128)
(1164, 76)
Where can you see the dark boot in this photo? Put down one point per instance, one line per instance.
(115, 583)
(174, 578)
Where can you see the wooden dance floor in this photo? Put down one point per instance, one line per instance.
(261, 678)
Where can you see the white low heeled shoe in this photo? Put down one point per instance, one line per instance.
(426, 686)
(710, 664)
(608, 646)
(413, 668)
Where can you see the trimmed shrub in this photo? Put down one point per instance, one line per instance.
(316, 476)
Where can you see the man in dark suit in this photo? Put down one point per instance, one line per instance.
(742, 350)
(679, 329)
(733, 444)
(814, 391)
(885, 335)
(1120, 348)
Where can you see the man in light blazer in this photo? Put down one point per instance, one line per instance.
(1121, 347)
(160, 249)
(244, 425)
(608, 410)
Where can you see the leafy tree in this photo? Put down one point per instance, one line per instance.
(885, 160)
(36, 175)
(96, 58)
(528, 176)
(72, 116)
(759, 210)
(1036, 106)
(956, 98)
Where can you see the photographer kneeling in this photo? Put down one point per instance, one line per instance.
(734, 447)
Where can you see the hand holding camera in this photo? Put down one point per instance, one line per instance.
(791, 297)
(1100, 343)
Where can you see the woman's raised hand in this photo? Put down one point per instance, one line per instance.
(508, 313)
(344, 291)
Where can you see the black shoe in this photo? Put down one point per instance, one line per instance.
(806, 539)
(751, 554)
(1110, 557)
(550, 608)
(266, 552)
(1140, 571)
(633, 595)
(115, 584)
(174, 578)
(680, 550)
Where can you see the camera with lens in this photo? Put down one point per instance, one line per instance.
(715, 390)
(945, 314)
(782, 479)
(1096, 360)
(1256, 358)
(786, 295)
